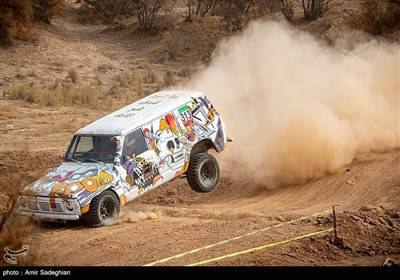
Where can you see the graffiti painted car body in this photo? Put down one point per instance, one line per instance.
(129, 152)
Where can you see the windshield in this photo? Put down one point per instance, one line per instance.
(91, 148)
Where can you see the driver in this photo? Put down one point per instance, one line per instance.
(130, 147)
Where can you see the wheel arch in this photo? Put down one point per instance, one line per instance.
(112, 189)
(202, 147)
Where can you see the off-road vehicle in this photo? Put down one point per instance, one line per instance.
(128, 153)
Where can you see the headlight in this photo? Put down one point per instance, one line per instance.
(22, 202)
(69, 205)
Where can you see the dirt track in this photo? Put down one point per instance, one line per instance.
(173, 219)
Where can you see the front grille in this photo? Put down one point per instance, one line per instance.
(58, 208)
(44, 206)
(32, 205)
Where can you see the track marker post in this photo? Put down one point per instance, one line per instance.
(335, 240)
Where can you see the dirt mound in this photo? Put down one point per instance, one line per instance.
(372, 231)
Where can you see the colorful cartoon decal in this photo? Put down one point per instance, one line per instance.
(151, 138)
(208, 122)
(141, 173)
(173, 136)
(83, 182)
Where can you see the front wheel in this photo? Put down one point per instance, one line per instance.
(103, 208)
(203, 172)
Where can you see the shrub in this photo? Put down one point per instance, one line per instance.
(17, 17)
(199, 8)
(378, 17)
(108, 10)
(73, 76)
(287, 9)
(150, 76)
(173, 46)
(169, 78)
(44, 10)
(314, 9)
(147, 11)
(234, 12)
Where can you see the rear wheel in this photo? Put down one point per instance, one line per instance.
(203, 172)
(103, 208)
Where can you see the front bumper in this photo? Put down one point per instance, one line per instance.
(49, 216)
(41, 208)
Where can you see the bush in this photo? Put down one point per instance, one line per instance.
(108, 10)
(287, 9)
(147, 11)
(199, 8)
(173, 46)
(17, 17)
(378, 17)
(169, 78)
(314, 9)
(44, 10)
(234, 12)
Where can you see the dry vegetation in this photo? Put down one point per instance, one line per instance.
(186, 30)
(18, 17)
(378, 17)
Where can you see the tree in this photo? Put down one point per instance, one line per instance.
(199, 8)
(147, 11)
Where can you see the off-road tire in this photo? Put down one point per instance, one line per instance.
(104, 207)
(203, 172)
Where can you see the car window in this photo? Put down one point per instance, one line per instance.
(134, 144)
(92, 148)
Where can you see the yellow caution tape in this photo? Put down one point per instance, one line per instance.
(235, 238)
(260, 247)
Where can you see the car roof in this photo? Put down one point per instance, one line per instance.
(138, 113)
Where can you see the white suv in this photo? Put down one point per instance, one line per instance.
(128, 153)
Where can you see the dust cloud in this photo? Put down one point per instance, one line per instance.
(128, 216)
(298, 109)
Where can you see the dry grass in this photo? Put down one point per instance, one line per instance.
(105, 67)
(73, 76)
(150, 77)
(169, 78)
(173, 46)
(9, 109)
(65, 94)
(128, 79)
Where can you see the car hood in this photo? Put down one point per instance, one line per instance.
(73, 180)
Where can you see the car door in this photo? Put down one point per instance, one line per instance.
(164, 137)
(140, 164)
